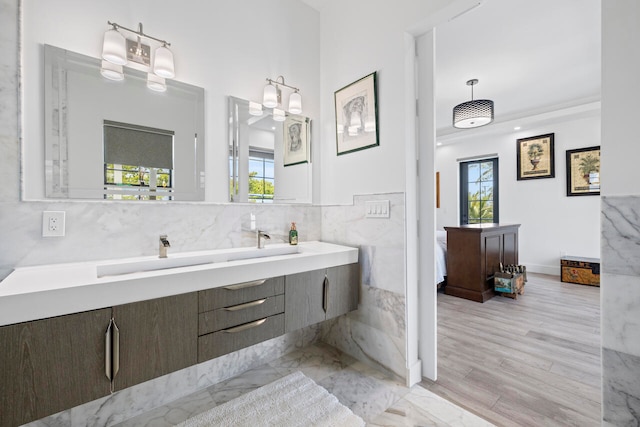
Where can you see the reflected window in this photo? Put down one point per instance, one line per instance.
(138, 162)
(261, 176)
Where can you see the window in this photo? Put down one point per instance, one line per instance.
(138, 162)
(261, 176)
(479, 192)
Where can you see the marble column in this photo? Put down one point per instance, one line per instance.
(620, 300)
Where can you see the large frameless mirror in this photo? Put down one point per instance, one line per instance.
(119, 140)
(269, 154)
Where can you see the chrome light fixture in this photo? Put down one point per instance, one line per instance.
(272, 96)
(118, 50)
(474, 113)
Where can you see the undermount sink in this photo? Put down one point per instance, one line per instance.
(189, 260)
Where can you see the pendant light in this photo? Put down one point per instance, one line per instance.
(114, 47)
(473, 113)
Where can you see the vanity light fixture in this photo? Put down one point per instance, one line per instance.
(474, 113)
(272, 96)
(278, 115)
(111, 71)
(118, 50)
(255, 108)
(156, 83)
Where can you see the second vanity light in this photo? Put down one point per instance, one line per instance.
(118, 51)
(272, 97)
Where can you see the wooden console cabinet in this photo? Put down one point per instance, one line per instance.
(474, 254)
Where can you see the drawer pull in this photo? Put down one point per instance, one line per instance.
(245, 285)
(244, 327)
(245, 305)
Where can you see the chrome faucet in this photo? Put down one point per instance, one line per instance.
(164, 244)
(262, 235)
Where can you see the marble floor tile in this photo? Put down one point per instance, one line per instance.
(377, 397)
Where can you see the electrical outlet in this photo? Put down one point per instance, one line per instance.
(53, 224)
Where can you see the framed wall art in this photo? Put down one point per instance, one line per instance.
(583, 171)
(357, 115)
(296, 140)
(535, 157)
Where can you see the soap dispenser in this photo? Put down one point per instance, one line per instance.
(293, 234)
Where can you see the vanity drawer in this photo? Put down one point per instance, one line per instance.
(229, 340)
(239, 293)
(222, 318)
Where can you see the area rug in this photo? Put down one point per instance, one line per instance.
(294, 400)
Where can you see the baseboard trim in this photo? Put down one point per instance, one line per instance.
(543, 269)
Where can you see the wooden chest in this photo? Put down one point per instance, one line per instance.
(580, 270)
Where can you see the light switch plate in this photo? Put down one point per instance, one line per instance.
(377, 209)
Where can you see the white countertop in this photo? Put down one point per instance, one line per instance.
(31, 293)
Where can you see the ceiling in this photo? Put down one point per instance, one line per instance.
(535, 59)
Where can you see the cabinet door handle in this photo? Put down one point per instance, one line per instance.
(325, 297)
(245, 285)
(107, 350)
(245, 305)
(112, 350)
(244, 327)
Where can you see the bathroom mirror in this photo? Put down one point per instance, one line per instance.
(119, 140)
(269, 159)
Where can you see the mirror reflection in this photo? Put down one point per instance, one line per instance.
(269, 154)
(119, 140)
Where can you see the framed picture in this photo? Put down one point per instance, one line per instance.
(583, 172)
(535, 157)
(357, 115)
(296, 140)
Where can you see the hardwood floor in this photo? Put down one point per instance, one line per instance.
(534, 361)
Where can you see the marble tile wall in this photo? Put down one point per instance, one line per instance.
(376, 333)
(620, 300)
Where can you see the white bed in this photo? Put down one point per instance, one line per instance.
(441, 256)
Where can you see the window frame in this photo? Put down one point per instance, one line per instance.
(464, 190)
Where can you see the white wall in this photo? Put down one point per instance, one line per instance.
(229, 48)
(552, 223)
(357, 38)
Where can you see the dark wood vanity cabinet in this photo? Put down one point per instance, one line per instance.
(157, 337)
(314, 296)
(474, 254)
(239, 315)
(50, 365)
(54, 364)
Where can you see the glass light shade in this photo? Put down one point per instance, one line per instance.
(278, 115)
(114, 47)
(156, 83)
(163, 63)
(295, 103)
(340, 129)
(270, 97)
(255, 109)
(111, 71)
(473, 114)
